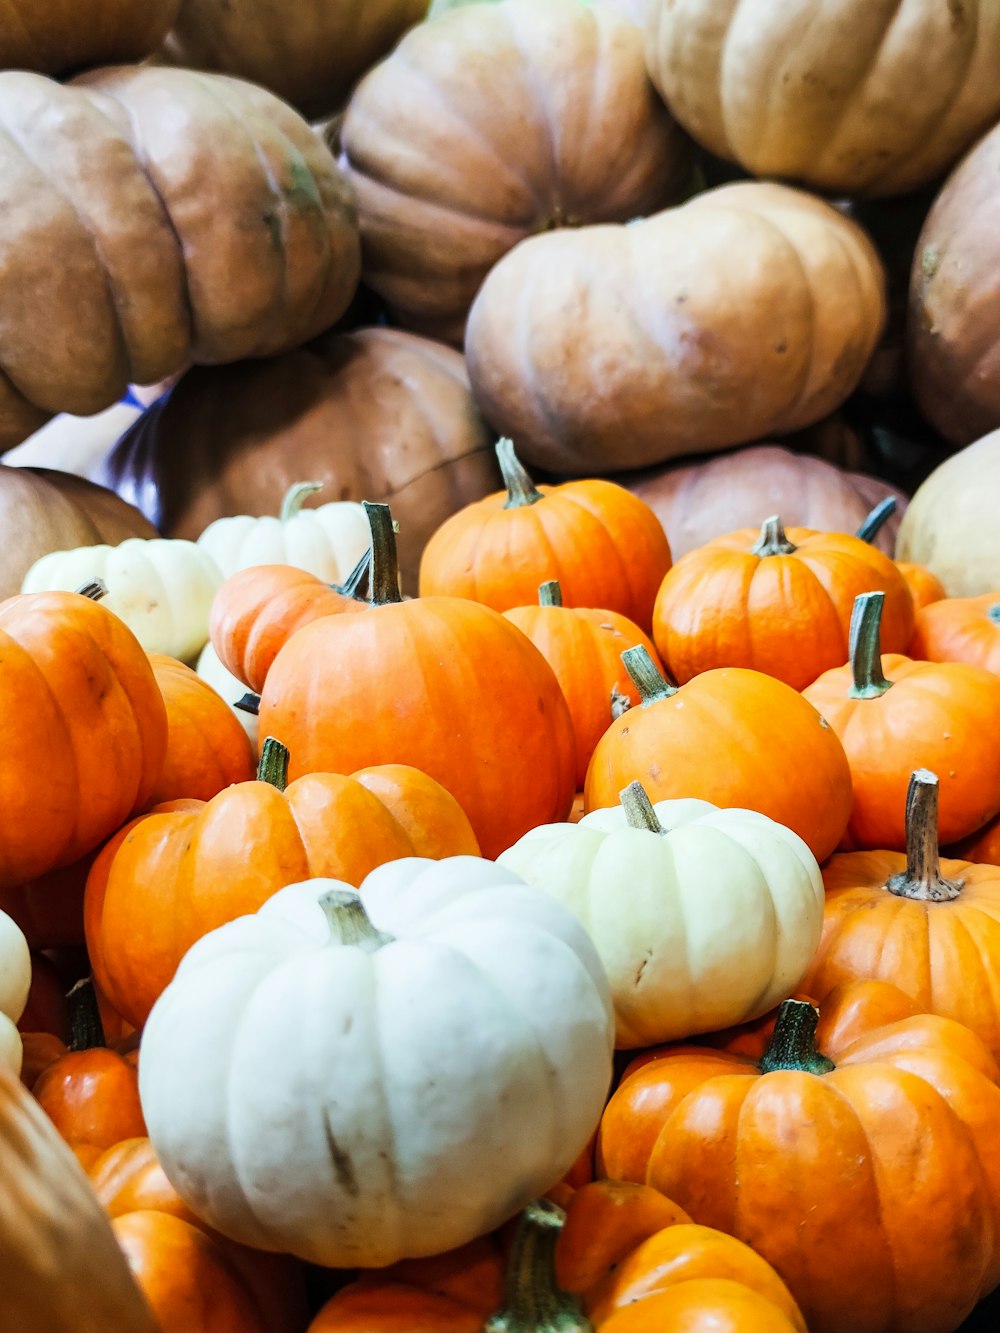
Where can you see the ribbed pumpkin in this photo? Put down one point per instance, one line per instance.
(207, 749)
(894, 714)
(775, 602)
(960, 629)
(733, 737)
(924, 585)
(49, 909)
(62, 36)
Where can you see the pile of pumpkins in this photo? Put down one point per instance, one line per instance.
(500, 781)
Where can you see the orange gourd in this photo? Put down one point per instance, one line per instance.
(775, 602)
(207, 748)
(441, 683)
(924, 585)
(733, 737)
(866, 1173)
(894, 714)
(49, 909)
(960, 629)
(584, 648)
(171, 876)
(603, 545)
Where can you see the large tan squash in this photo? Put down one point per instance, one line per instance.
(154, 218)
(746, 313)
(489, 124)
(953, 334)
(951, 523)
(850, 96)
(308, 51)
(61, 36)
(375, 415)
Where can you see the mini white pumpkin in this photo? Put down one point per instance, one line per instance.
(327, 541)
(358, 1088)
(161, 588)
(15, 981)
(702, 917)
(226, 685)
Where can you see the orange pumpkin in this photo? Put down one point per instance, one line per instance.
(46, 1009)
(960, 629)
(733, 737)
(584, 648)
(256, 611)
(86, 730)
(441, 683)
(924, 585)
(207, 748)
(171, 876)
(49, 909)
(867, 1174)
(621, 1259)
(602, 544)
(893, 715)
(778, 603)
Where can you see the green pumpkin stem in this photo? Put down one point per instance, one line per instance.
(646, 676)
(772, 539)
(272, 767)
(793, 1042)
(865, 647)
(358, 580)
(295, 498)
(384, 577)
(922, 879)
(349, 922)
(533, 1302)
(521, 490)
(85, 1026)
(877, 519)
(550, 593)
(639, 812)
(994, 613)
(95, 590)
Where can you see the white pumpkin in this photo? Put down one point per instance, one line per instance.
(225, 684)
(161, 588)
(328, 541)
(702, 917)
(15, 980)
(357, 1089)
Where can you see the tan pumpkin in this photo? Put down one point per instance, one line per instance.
(541, 116)
(747, 312)
(113, 189)
(374, 414)
(310, 53)
(60, 36)
(841, 96)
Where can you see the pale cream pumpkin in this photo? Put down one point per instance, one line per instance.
(229, 688)
(15, 980)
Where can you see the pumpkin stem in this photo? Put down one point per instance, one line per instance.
(877, 519)
(550, 593)
(994, 613)
(85, 1026)
(358, 578)
(384, 578)
(865, 647)
(793, 1042)
(646, 676)
(349, 922)
(250, 703)
(521, 490)
(620, 703)
(772, 539)
(533, 1302)
(272, 767)
(922, 879)
(638, 808)
(95, 590)
(295, 498)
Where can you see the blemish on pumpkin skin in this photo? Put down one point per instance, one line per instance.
(343, 1167)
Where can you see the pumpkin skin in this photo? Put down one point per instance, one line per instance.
(578, 137)
(78, 690)
(171, 876)
(92, 1098)
(735, 738)
(924, 587)
(15, 984)
(960, 629)
(899, 1134)
(697, 330)
(60, 39)
(311, 60)
(49, 909)
(231, 147)
(230, 690)
(722, 918)
(894, 714)
(602, 545)
(231, 438)
(697, 501)
(515, 976)
(774, 602)
(789, 92)
(207, 748)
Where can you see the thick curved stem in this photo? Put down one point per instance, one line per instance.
(865, 648)
(922, 879)
(793, 1042)
(639, 812)
(295, 498)
(385, 559)
(95, 590)
(521, 490)
(349, 922)
(85, 1027)
(533, 1302)
(550, 593)
(877, 519)
(646, 676)
(772, 539)
(272, 767)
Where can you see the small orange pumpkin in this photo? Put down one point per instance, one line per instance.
(207, 748)
(960, 629)
(924, 585)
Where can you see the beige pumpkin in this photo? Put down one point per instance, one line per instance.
(490, 124)
(848, 96)
(750, 311)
